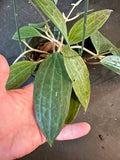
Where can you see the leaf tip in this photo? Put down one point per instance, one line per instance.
(13, 37)
(50, 142)
(109, 11)
(102, 61)
(85, 109)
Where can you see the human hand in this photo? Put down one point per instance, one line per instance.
(19, 132)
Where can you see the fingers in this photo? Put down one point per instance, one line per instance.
(73, 131)
(4, 73)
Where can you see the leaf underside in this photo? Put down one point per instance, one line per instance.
(78, 73)
(102, 44)
(50, 9)
(112, 62)
(19, 73)
(52, 92)
(95, 21)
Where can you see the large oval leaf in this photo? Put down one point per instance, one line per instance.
(50, 9)
(73, 109)
(102, 44)
(52, 92)
(78, 72)
(112, 62)
(19, 73)
(27, 32)
(95, 21)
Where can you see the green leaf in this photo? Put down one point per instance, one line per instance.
(50, 9)
(73, 109)
(42, 29)
(27, 32)
(38, 25)
(112, 62)
(19, 73)
(52, 92)
(95, 21)
(102, 44)
(78, 72)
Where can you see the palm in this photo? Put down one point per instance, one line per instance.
(18, 126)
(19, 132)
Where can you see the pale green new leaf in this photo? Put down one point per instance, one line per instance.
(52, 92)
(95, 21)
(27, 32)
(102, 44)
(73, 108)
(112, 62)
(50, 9)
(78, 72)
(19, 73)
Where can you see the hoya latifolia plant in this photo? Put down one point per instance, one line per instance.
(62, 82)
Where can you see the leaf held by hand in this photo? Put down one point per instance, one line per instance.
(52, 92)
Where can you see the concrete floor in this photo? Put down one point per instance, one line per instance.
(104, 109)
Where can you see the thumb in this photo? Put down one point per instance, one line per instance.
(4, 72)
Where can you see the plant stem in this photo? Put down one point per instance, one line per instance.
(58, 36)
(73, 18)
(60, 47)
(85, 49)
(74, 6)
(27, 44)
(92, 63)
(84, 26)
(36, 50)
(52, 40)
(102, 54)
(31, 50)
(17, 24)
